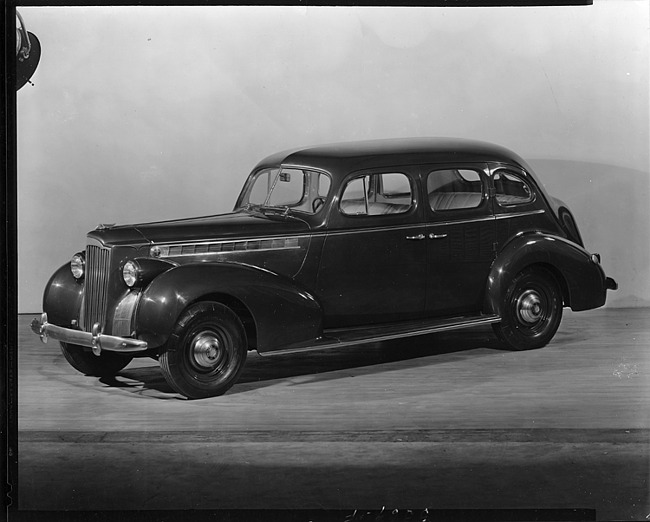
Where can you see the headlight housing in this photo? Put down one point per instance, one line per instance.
(139, 272)
(131, 273)
(78, 265)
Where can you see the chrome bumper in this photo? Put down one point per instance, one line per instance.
(95, 340)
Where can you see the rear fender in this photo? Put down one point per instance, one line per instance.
(581, 280)
(566, 220)
(283, 312)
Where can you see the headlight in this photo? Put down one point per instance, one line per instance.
(139, 272)
(130, 273)
(78, 265)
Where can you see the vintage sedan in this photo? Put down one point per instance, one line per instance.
(328, 246)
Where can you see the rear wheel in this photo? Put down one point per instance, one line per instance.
(206, 351)
(531, 311)
(84, 360)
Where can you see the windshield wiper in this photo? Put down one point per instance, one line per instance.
(250, 207)
(283, 209)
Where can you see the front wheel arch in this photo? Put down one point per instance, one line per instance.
(240, 309)
(265, 299)
(206, 351)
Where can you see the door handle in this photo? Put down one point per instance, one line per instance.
(437, 236)
(417, 238)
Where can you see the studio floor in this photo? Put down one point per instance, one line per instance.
(444, 422)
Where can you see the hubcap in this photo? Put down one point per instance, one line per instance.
(207, 350)
(529, 307)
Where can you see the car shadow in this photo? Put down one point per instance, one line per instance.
(144, 381)
(331, 364)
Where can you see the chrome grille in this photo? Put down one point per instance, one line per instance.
(97, 269)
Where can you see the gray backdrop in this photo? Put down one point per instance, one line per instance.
(149, 113)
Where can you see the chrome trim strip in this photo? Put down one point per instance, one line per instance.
(461, 221)
(520, 214)
(305, 167)
(301, 235)
(209, 248)
(165, 248)
(336, 343)
(368, 229)
(490, 218)
(403, 227)
(166, 255)
(95, 340)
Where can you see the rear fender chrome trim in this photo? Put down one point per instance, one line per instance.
(509, 215)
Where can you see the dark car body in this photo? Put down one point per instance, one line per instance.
(328, 246)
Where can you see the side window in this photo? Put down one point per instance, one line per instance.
(454, 189)
(511, 189)
(377, 194)
(324, 184)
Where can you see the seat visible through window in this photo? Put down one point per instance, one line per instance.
(377, 195)
(511, 189)
(453, 189)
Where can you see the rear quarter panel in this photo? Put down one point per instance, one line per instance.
(582, 280)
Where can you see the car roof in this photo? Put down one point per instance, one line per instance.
(342, 158)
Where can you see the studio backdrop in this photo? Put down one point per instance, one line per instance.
(150, 113)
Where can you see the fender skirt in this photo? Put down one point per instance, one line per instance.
(283, 312)
(582, 280)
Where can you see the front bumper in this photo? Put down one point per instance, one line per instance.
(95, 340)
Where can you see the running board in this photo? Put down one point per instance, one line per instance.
(341, 337)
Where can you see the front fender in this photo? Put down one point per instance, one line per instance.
(582, 280)
(283, 312)
(62, 297)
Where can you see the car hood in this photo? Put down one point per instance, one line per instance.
(224, 226)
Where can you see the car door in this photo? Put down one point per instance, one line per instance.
(460, 237)
(373, 262)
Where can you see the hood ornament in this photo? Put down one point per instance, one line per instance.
(104, 226)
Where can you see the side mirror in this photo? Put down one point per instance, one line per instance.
(28, 53)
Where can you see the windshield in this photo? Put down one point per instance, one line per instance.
(294, 189)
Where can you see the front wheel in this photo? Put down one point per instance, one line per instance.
(82, 359)
(531, 311)
(206, 351)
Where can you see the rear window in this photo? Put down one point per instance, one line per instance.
(511, 189)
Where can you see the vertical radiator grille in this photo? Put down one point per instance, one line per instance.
(97, 270)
